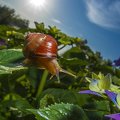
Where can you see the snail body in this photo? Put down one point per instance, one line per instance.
(40, 50)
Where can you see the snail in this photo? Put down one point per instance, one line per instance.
(40, 50)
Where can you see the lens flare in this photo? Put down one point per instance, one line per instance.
(38, 3)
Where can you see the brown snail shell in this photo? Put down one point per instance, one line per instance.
(41, 50)
(38, 44)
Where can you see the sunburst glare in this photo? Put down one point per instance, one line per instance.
(37, 3)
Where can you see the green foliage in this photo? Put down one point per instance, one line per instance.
(60, 112)
(10, 56)
(118, 98)
(99, 83)
(21, 88)
(10, 63)
(97, 109)
(66, 96)
(40, 27)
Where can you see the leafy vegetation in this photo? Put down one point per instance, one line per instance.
(65, 112)
(29, 93)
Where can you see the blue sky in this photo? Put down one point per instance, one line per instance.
(98, 21)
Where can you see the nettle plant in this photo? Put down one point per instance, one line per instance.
(36, 82)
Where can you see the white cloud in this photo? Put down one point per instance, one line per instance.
(56, 21)
(105, 13)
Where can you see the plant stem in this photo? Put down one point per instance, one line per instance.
(21, 78)
(42, 83)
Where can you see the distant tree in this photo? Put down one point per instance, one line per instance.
(8, 17)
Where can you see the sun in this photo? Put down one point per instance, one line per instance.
(37, 3)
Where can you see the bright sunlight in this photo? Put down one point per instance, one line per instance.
(37, 3)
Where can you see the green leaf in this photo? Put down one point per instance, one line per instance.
(16, 103)
(48, 99)
(65, 41)
(94, 86)
(73, 61)
(53, 30)
(115, 88)
(101, 76)
(40, 27)
(74, 50)
(97, 109)
(104, 82)
(116, 80)
(60, 111)
(10, 70)
(17, 35)
(22, 105)
(10, 55)
(66, 96)
(10, 61)
(118, 99)
(88, 79)
(95, 76)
